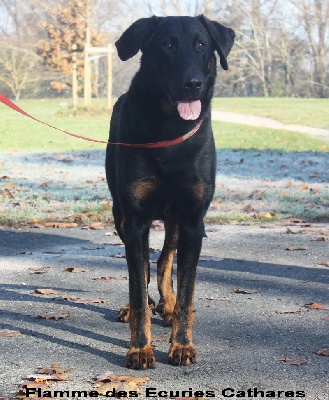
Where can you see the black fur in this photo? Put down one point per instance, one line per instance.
(175, 184)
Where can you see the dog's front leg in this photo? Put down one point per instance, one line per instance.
(182, 350)
(140, 354)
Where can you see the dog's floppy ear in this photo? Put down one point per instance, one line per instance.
(222, 38)
(135, 37)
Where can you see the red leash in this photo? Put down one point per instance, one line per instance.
(166, 143)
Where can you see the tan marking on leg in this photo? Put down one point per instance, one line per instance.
(197, 190)
(140, 357)
(165, 265)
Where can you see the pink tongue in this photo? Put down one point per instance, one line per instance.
(189, 109)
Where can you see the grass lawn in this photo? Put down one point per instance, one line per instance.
(258, 168)
(311, 112)
(18, 133)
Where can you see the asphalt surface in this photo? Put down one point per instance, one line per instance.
(239, 337)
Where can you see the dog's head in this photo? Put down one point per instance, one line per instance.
(178, 59)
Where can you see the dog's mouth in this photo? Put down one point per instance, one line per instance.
(187, 109)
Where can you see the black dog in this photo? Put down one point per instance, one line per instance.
(169, 96)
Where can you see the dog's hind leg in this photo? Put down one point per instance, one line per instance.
(135, 234)
(165, 266)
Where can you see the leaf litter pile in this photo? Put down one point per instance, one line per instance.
(52, 189)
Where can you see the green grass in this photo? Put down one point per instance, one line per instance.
(236, 136)
(20, 134)
(311, 112)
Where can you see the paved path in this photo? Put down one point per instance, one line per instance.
(239, 337)
(269, 123)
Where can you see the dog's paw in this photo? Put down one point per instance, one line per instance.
(140, 358)
(123, 314)
(181, 355)
(165, 313)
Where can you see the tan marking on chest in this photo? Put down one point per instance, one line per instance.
(143, 188)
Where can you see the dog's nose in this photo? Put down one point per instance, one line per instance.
(193, 83)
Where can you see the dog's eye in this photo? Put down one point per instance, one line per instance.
(168, 46)
(200, 46)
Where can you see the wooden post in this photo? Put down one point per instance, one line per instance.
(109, 77)
(74, 78)
(87, 69)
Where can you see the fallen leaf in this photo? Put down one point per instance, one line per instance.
(248, 209)
(9, 333)
(317, 306)
(268, 214)
(54, 315)
(75, 270)
(210, 258)
(291, 231)
(294, 311)
(110, 377)
(65, 298)
(97, 226)
(110, 278)
(244, 291)
(303, 186)
(319, 239)
(40, 378)
(296, 221)
(53, 252)
(107, 388)
(46, 291)
(291, 248)
(89, 301)
(212, 230)
(61, 225)
(323, 352)
(39, 270)
(325, 263)
(56, 370)
(293, 361)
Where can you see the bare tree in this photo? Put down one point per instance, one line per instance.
(19, 70)
(314, 18)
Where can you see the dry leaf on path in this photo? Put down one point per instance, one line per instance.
(61, 225)
(295, 311)
(106, 389)
(297, 248)
(325, 263)
(293, 361)
(323, 352)
(53, 370)
(210, 258)
(65, 298)
(244, 291)
(39, 270)
(40, 378)
(97, 226)
(268, 214)
(89, 301)
(317, 306)
(75, 270)
(110, 278)
(9, 333)
(54, 315)
(45, 291)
